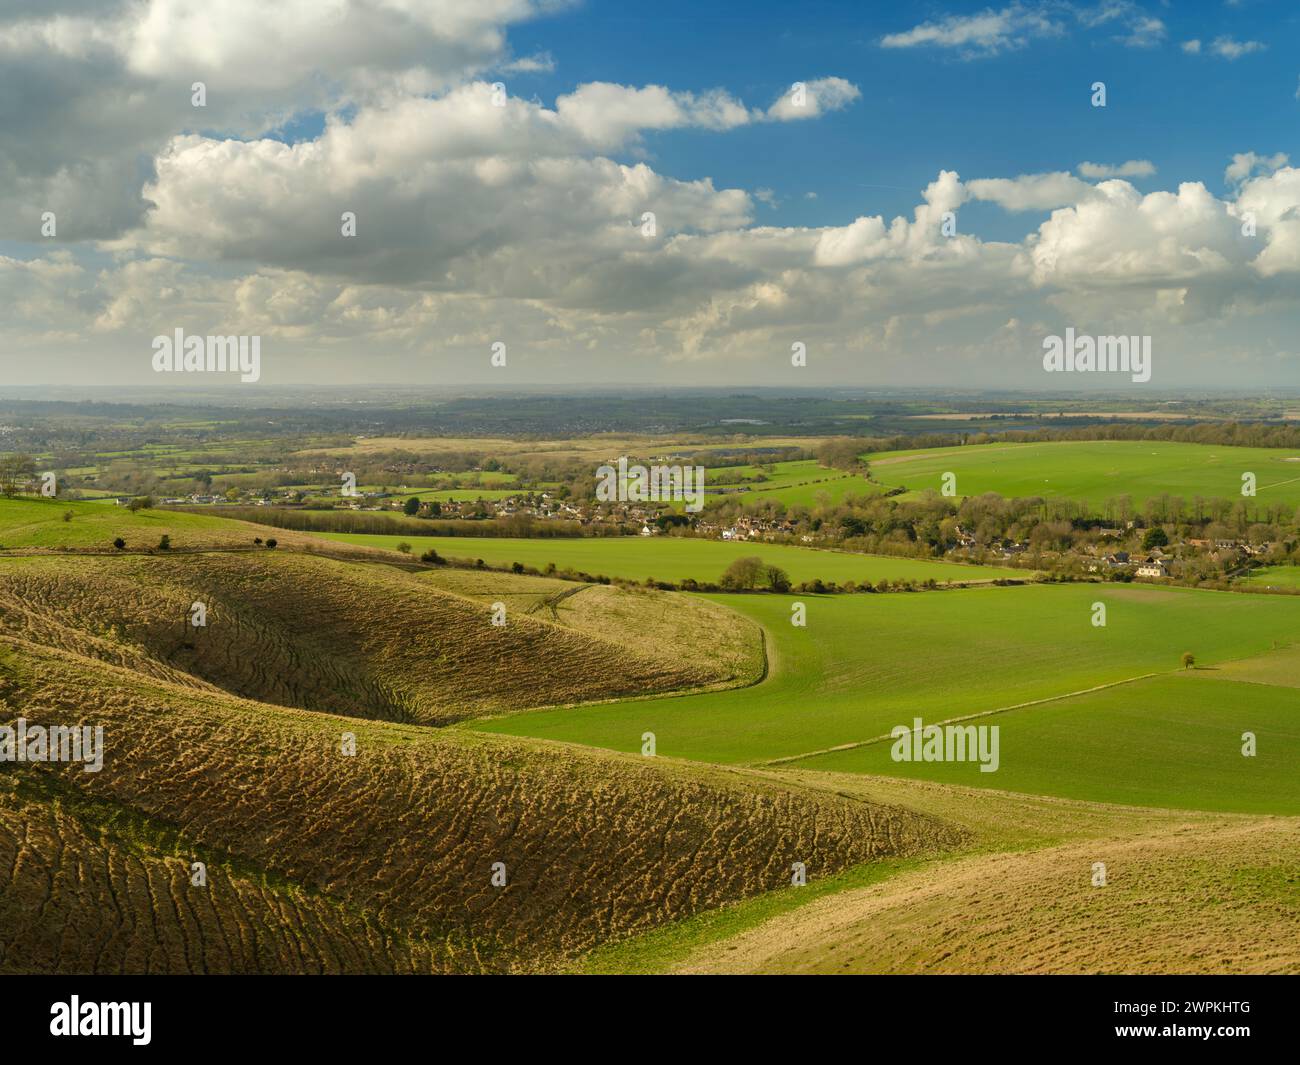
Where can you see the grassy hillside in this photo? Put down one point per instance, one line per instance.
(120, 883)
(668, 558)
(803, 482)
(865, 664)
(364, 640)
(1274, 577)
(720, 646)
(1025, 866)
(1203, 898)
(394, 845)
(28, 522)
(1096, 470)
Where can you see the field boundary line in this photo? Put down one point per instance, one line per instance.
(952, 720)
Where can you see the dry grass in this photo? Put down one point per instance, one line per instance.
(1204, 896)
(365, 640)
(712, 641)
(365, 855)
(79, 898)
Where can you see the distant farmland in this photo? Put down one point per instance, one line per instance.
(1096, 470)
(668, 558)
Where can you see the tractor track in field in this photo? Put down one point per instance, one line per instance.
(953, 720)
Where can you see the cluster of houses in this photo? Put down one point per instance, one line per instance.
(1153, 565)
(1160, 563)
(542, 505)
(1003, 548)
(749, 529)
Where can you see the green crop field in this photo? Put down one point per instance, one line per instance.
(863, 665)
(1274, 577)
(1168, 741)
(1097, 470)
(668, 558)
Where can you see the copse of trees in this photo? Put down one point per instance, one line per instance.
(16, 470)
(746, 574)
(842, 453)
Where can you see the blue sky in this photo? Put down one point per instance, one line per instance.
(1023, 110)
(519, 220)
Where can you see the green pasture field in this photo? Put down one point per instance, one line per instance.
(673, 558)
(1274, 577)
(1171, 741)
(810, 494)
(1097, 470)
(864, 664)
(31, 522)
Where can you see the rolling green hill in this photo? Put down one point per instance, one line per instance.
(27, 522)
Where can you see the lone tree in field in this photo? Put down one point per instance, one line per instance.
(140, 503)
(744, 574)
(1189, 660)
